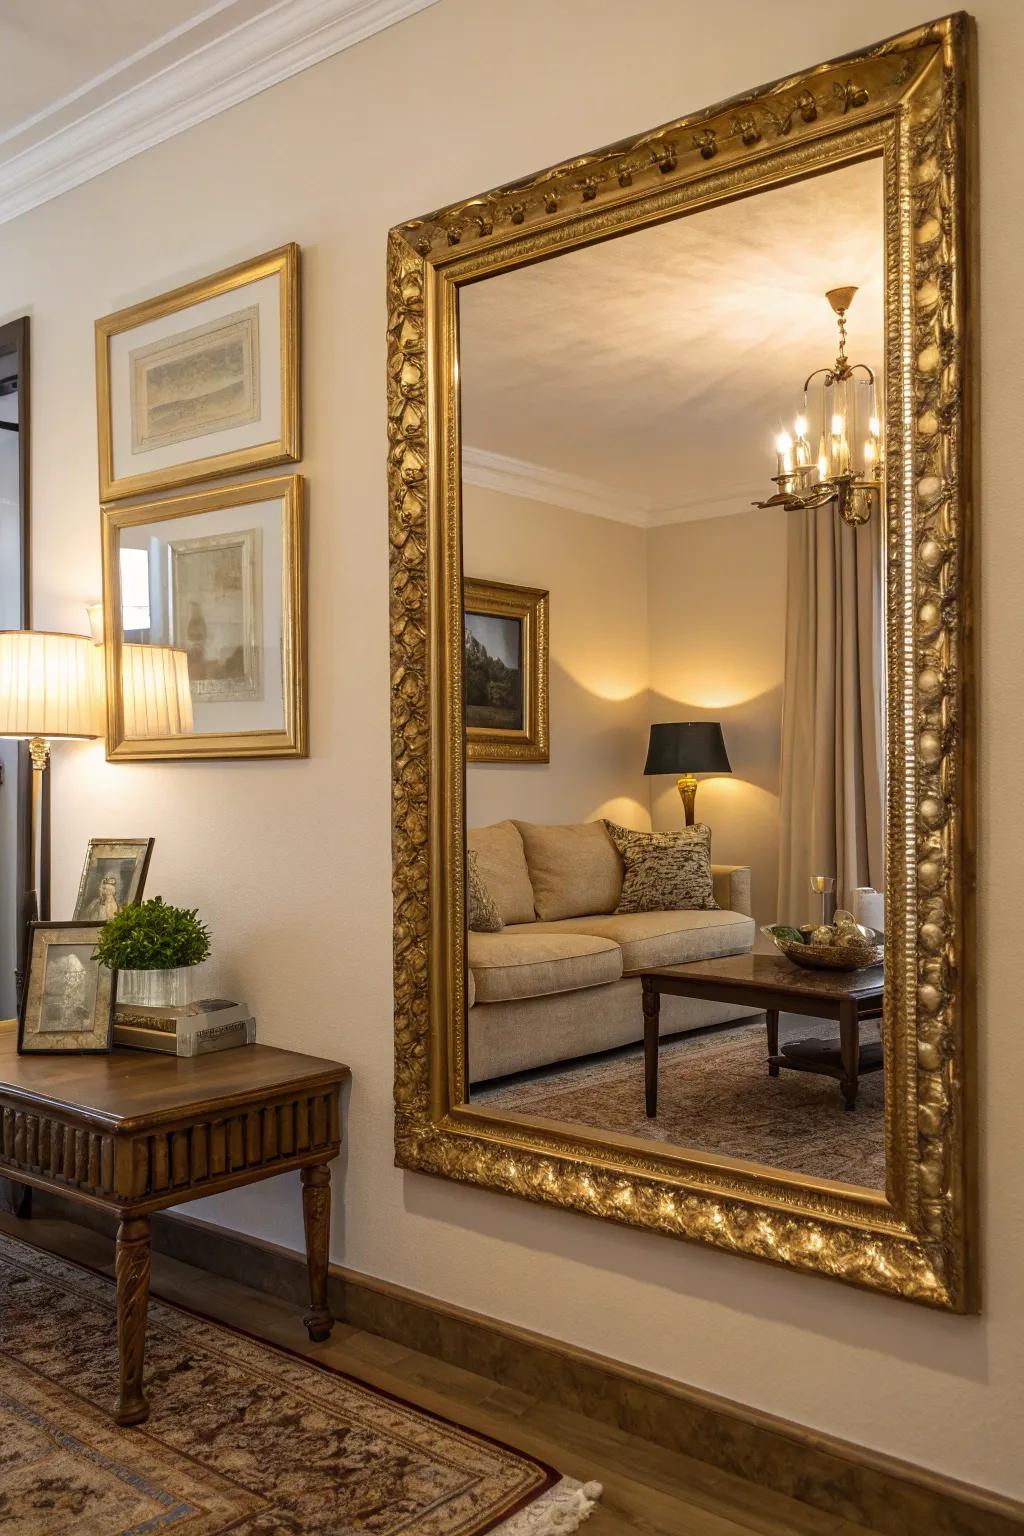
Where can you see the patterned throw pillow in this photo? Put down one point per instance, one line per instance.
(665, 871)
(484, 916)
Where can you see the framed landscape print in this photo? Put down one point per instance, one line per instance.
(114, 876)
(505, 665)
(204, 598)
(68, 1001)
(200, 382)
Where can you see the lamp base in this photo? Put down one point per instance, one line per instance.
(39, 751)
(687, 787)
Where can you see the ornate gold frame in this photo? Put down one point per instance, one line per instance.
(284, 450)
(291, 741)
(530, 606)
(909, 100)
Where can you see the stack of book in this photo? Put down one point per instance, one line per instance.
(212, 1024)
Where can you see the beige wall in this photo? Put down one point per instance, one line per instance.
(596, 572)
(290, 861)
(717, 604)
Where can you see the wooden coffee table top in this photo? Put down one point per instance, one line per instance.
(129, 1089)
(771, 973)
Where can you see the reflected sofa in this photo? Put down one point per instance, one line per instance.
(553, 984)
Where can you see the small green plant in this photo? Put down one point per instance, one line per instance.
(151, 936)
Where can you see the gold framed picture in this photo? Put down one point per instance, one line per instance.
(68, 1002)
(202, 381)
(505, 666)
(204, 622)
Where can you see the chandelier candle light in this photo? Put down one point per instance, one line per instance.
(848, 467)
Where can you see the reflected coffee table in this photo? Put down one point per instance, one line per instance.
(776, 985)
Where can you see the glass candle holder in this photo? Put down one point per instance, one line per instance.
(823, 886)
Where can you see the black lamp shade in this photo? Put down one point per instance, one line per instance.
(687, 746)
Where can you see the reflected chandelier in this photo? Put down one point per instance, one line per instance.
(851, 455)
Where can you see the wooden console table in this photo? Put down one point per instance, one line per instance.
(135, 1132)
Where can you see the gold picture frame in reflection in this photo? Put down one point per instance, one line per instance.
(202, 381)
(505, 670)
(204, 622)
(909, 102)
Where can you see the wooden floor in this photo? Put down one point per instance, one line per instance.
(647, 1491)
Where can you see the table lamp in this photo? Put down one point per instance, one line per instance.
(47, 693)
(687, 747)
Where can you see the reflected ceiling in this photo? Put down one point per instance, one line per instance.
(659, 366)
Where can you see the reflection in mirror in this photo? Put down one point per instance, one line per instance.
(15, 792)
(658, 946)
(209, 622)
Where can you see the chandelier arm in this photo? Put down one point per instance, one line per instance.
(814, 375)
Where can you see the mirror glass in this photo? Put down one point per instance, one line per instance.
(623, 407)
(203, 623)
(14, 771)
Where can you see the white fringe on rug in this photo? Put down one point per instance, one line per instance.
(558, 1512)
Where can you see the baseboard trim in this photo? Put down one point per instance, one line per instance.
(885, 1494)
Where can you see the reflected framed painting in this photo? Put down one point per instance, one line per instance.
(505, 665)
(67, 1005)
(202, 381)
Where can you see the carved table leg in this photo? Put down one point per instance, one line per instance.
(316, 1218)
(772, 1021)
(849, 1045)
(652, 1012)
(132, 1300)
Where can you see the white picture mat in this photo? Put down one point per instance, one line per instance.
(266, 714)
(266, 295)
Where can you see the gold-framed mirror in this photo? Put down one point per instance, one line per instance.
(744, 1017)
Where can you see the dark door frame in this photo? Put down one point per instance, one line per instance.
(14, 341)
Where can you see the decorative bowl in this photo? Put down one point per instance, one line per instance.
(857, 953)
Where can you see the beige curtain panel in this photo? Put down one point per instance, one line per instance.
(833, 723)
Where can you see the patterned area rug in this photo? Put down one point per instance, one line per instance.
(715, 1095)
(242, 1437)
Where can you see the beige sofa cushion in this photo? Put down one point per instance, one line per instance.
(660, 938)
(501, 863)
(574, 870)
(525, 963)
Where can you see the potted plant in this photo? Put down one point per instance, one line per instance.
(154, 948)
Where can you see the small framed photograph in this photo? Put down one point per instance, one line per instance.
(505, 661)
(201, 382)
(114, 876)
(67, 1004)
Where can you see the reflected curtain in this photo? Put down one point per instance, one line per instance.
(833, 720)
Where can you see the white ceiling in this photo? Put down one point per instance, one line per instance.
(85, 84)
(649, 374)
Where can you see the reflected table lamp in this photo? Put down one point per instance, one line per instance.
(47, 693)
(686, 748)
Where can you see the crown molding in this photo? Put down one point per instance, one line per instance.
(254, 55)
(535, 482)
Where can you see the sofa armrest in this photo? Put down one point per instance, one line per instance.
(731, 884)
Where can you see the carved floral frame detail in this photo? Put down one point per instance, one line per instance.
(910, 100)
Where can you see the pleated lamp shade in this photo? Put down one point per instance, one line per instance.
(155, 689)
(47, 686)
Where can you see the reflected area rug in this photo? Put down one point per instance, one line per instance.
(715, 1095)
(242, 1437)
